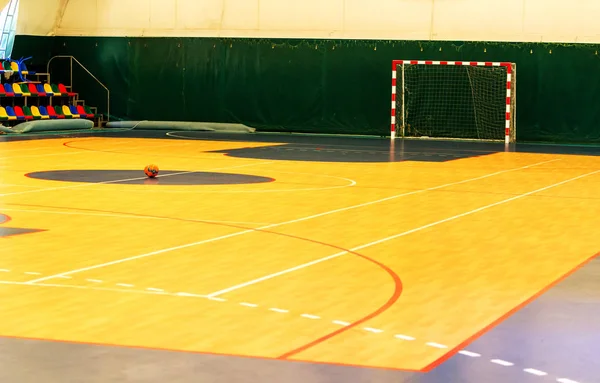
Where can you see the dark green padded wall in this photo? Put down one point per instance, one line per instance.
(319, 86)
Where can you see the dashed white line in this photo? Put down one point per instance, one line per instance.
(469, 353)
(64, 277)
(535, 372)
(4, 271)
(436, 345)
(309, 316)
(502, 362)
(341, 322)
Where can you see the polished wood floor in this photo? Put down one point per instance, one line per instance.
(389, 264)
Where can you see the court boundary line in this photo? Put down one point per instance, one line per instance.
(456, 350)
(386, 239)
(214, 239)
(505, 316)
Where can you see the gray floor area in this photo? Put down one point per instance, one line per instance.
(137, 177)
(556, 334)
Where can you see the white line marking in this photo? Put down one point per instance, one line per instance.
(469, 353)
(4, 271)
(80, 185)
(185, 246)
(373, 330)
(436, 345)
(79, 287)
(183, 294)
(279, 310)
(341, 322)
(248, 304)
(33, 273)
(65, 277)
(535, 372)
(124, 285)
(386, 239)
(310, 316)
(404, 337)
(565, 380)
(153, 289)
(216, 299)
(126, 215)
(94, 280)
(502, 362)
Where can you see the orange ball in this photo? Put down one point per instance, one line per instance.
(151, 171)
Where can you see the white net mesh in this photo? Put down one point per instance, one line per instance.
(452, 101)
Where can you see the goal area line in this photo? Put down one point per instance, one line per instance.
(454, 100)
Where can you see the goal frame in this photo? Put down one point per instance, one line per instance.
(511, 77)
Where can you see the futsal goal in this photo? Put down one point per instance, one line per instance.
(454, 99)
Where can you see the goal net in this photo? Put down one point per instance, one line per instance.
(453, 99)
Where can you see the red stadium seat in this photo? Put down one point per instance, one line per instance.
(63, 89)
(21, 115)
(52, 113)
(82, 112)
(33, 89)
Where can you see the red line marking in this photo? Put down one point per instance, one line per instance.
(390, 302)
(505, 316)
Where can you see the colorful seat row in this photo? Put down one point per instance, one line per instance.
(27, 113)
(34, 90)
(13, 66)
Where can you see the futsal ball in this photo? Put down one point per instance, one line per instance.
(151, 171)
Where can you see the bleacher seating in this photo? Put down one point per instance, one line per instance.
(23, 99)
(32, 89)
(27, 113)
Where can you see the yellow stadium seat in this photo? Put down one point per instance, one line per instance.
(35, 111)
(17, 90)
(5, 116)
(14, 66)
(67, 111)
(48, 89)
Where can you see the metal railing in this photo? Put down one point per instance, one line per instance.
(73, 59)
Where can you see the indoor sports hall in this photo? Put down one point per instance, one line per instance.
(297, 229)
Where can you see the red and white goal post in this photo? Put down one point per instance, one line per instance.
(454, 100)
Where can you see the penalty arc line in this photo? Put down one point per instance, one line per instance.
(386, 239)
(232, 235)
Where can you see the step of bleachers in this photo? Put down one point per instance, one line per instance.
(41, 98)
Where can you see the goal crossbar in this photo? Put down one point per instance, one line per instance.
(509, 127)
